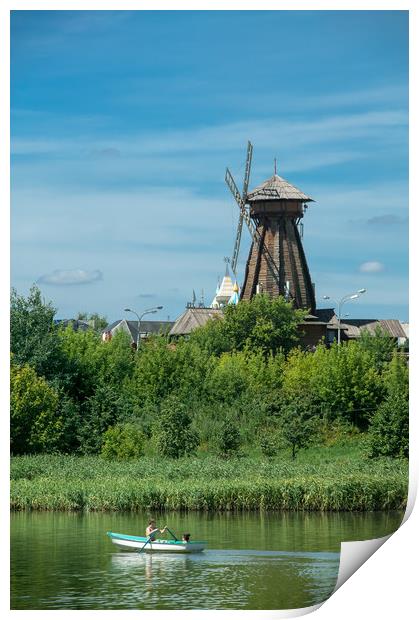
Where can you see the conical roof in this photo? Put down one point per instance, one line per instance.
(224, 291)
(277, 188)
(234, 299)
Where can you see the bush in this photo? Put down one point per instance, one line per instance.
(271, 441)
(123, 442)
(227, 440)
(389, 430)
(173, 435)
(331, 433)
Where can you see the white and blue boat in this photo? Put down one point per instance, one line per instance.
(142, 543)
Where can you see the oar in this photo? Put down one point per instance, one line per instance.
(149, 539)
(146, 543)
(171, 533)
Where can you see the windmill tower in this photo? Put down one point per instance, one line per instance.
(276, 264)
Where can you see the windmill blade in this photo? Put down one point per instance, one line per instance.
(247, 170)
(244, 196)
(237, 245)
(234, 189)
(242, 206)
(241, 203)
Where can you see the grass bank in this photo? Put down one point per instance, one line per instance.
(323, 480)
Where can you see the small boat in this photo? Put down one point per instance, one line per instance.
(161, 545)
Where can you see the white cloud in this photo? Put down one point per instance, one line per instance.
(64, 277)
(137, 91)
(267, 133)
(372, 266)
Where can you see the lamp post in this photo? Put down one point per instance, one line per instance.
(344, 299)
(139, 317)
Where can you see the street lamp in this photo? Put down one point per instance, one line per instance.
(344, 299)
(139, 317)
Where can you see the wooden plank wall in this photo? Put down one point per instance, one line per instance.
(281, 237)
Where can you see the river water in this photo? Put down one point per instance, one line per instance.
(253, 561)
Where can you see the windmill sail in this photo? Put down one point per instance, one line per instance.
(243, 200)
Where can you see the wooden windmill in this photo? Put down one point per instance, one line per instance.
(276, 264)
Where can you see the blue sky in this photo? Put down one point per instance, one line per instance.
(123, 123)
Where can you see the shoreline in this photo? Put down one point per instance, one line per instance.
(90, 484)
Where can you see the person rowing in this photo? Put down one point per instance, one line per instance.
(151, 530)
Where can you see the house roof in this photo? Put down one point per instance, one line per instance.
(193, 318)
(354, 327)
(146, 327)
(277, 188)
(325, 314)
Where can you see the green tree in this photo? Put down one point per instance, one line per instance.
(90, 362)
(33, 335)
(162, 369)
(396, 376)
(242, 373)
(211, 338)
(35, 425)
(172, 434)
(340, 382)
(298, 424)
(228, 378)
(100, 411)
(98, 322)
(380, 345)
(69, 413)
(261, 324)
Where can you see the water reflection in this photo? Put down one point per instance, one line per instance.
(226, 575)
(254, 561)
